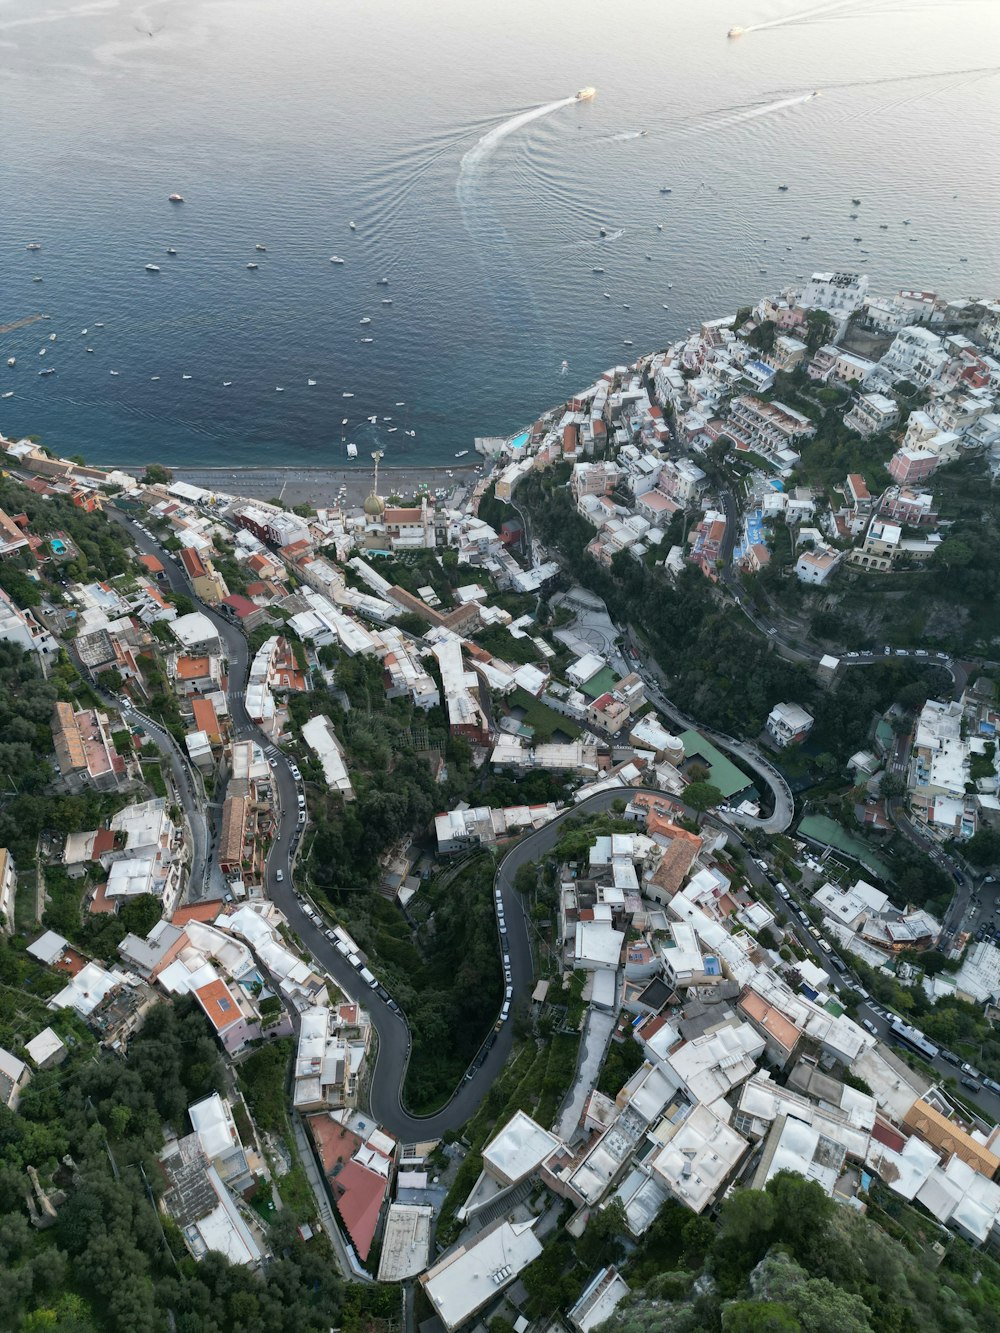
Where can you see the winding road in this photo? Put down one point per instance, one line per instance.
(389, 1071)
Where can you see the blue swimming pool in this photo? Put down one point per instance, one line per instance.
(519, 441)
(58, 545)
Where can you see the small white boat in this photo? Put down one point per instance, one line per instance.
(98, 326)
(278, 389)
(153, 378)
(597, 269)
(8, 394)
(365, 319)
(649, 256)
(112, 372)
(310, 383)
(226, 383)
(88, 349)
(251, 264)
(627, 342)
(586, 94)
(400, 404)
(51, 370)
(352, 451)
(387, 300)
(344, 422)
(659, 226)
(353, 226)
(461, 453)
(41, 351)
(53, 337)
(36, 278)
(152, 268)
(260, 248)
(607, 296)
(347, 395)
(411, 433)
(171, 250)
(382, 282)
(185, 377)
(626, 306)
(367, 340)
(336, 259)
(82, 332)
(32, 245)
(175, 198)
(392, 430)
(374, 419)
(12, 361)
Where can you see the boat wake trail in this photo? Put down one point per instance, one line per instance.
(804, 16)
(480, 153)
(751, 113)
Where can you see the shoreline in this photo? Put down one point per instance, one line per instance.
(321, 486)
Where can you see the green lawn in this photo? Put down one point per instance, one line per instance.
(543, 719)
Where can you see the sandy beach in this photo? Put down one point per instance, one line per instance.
(320, 487)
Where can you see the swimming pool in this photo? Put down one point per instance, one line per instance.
(58, 545)
(519, 441)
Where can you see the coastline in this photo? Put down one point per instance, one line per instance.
(320, 486)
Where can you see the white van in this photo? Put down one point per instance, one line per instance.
(369, 977)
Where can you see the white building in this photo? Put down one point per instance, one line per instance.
(196, 634)
(472, 1275)
(788, 723)
(8, 890)
(319, 735)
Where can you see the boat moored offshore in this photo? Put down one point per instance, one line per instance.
(586, 94)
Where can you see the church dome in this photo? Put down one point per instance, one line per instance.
(374, 506)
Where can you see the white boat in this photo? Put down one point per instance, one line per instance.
(82, 332)
(175, 198)
(171, 250)
(8, 394)
(12, 361)
(336, 259)
(32, 245)
(53, 337)
(344, 422)
(659, 226)
(153, 378)
(152, 268)
(387, 300)
(400, 404)
(392, 430)
(586, 94)
(51, 370)
(365, 319)
(597, 269)
(461, 453)
(88, 349)
(110, 372)
(607, 296)
(382, 282)
(278, 389)
(41, 351)
(226, 383)
(251, 264)
(185, 377)
(98, 326)
(411, 433)
(353, 226)
(367, 340)
(352, 451)
(260, 247)
(310, 383)
(627, 342)
(374, 419)
(347, 395)
(626, 306)
(37, 278)
(665, 306)
(735, 32)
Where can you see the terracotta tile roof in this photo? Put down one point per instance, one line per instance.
(782, 1029)
(205, 717)
(151, 563)
(358, 1194)
(218, 1003)
(193, 562)
(191, 668)
(206, 910)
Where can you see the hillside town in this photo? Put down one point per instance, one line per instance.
(735, 998)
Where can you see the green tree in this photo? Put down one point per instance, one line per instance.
(702, 796)
(157, 475)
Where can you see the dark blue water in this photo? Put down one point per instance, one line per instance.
(281, 123)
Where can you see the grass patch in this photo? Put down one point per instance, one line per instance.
(544, 720)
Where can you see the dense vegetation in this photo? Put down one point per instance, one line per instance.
(786, 1259)
(93, 1127)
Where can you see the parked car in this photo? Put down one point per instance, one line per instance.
(279, 875)
(951, 1057)
(867, 1023)
(971, 1084)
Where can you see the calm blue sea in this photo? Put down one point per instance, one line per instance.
(280, 124)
